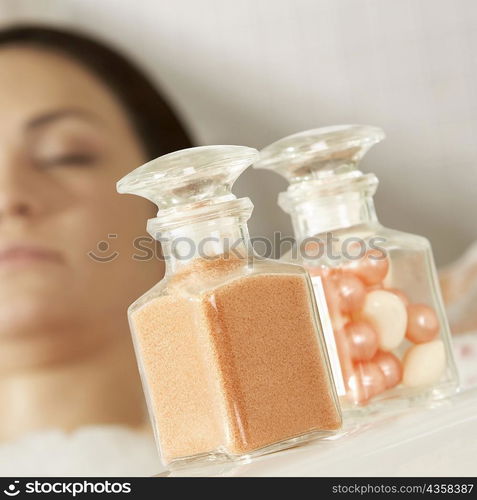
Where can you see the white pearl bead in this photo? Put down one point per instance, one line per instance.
(424, 364)
(387, 314)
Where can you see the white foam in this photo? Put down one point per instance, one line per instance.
(90, 451)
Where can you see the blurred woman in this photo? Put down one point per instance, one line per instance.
(75, 117)
(459, 288)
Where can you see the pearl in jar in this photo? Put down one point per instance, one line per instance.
(372, 268)
(391, 367)
(352, 293)
(333, 301)
(362, 340)
(370, 381)
(314, 250)
(387, 314)
(424, 364)
(344, 354)
(422, 323)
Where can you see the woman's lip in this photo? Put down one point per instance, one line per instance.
(19, 253)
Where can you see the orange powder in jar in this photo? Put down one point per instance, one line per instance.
(235, 368)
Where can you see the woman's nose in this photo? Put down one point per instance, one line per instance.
(17, 192)
(13, 206)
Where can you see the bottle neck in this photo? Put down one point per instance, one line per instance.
(321, 215)
(227, 237)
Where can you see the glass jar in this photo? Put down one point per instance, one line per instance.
(391, 337)
(229, 346)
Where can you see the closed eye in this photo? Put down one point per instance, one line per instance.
(73, 159)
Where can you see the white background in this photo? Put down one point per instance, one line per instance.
(251, 71)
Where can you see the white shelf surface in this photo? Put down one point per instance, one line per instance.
(433, 441)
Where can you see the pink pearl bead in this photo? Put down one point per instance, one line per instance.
(372, 268)
(372, 378)
(352, 293)
(355, 391)
(344, 354)
(314, 249)
(363, 340)
(329, 278)
(391, 367)
(400, 294)
(332, 293)
(422, 323)
(370, 381)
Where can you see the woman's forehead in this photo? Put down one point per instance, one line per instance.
(35, 81)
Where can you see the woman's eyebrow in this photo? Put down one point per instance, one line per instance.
(55, 115)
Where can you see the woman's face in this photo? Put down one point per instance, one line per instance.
(66, 236)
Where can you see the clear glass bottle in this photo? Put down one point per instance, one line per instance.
(229, 346)
(391, 337)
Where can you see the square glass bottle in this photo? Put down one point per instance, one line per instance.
(391, 336)
(229, 346)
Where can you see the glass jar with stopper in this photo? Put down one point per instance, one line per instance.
(390, 331)
(229, 346)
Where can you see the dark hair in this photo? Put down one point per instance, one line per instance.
(157, 125)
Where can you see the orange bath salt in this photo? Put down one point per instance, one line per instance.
(183, 393)
(232, 370)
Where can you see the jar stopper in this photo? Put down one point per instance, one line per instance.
(319, 153)
(194, 176)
